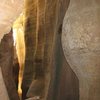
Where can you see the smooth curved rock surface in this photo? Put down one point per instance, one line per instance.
(9, 11)
(81, 45)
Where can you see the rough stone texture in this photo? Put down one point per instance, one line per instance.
(81, 45)
(6, 64)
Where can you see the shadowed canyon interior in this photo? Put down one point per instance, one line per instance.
(49, 50)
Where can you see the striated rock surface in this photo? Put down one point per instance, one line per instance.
(30, 24)
(6, 64)
(43, 22)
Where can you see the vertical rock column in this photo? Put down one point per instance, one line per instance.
(37, 87)
(49, 21)
(41, 26)
(30, 43)
(6, 64)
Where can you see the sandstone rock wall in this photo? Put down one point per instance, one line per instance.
(6, 64)
(43, 22)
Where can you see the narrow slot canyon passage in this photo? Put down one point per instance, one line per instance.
(32, 62)
(49, 50)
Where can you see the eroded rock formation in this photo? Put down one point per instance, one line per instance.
(40, 33)
(44, 57)
(30, 44)
(6, 64)
(81, 44)
(43, 22)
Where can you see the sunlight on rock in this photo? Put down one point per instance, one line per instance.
(18, 35)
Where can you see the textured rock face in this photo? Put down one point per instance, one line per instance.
(30, 44)
(81, 45)
(6, 64)
(9, 11)
(42, 21)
